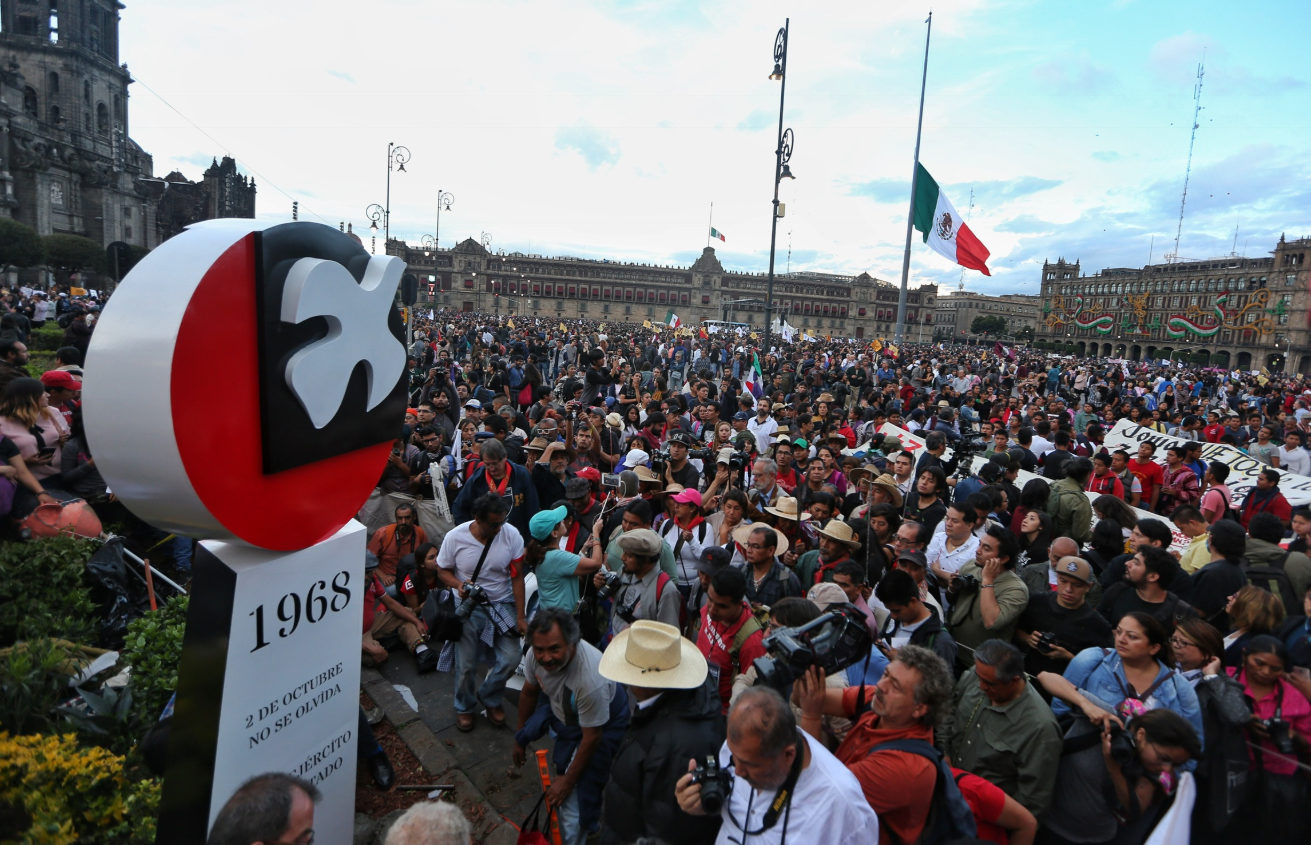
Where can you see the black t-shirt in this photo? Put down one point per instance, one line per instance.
(1053, 464)
(1075, 630)
(688, 476)
(8, 449)
(1122, 598)
(928, 516)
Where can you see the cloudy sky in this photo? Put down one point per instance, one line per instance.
(607, 129)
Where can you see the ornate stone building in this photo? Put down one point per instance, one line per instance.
(1242, 313)
(956, 312)
(222, 192)
(470, 278)
(67, 162)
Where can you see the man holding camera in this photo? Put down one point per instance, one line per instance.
(783, 787)
(1058, 624)
(483, 560)
(986, 596)
(678, 469)
(642, 591)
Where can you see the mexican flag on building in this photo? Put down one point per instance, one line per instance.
(715, 233)
(944, 229)
(671, 320)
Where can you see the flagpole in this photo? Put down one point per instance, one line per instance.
(914, 177)
(712, 222)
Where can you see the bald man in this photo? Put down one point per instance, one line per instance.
(1040, 577)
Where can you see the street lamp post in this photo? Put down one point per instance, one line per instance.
(782, 153)
(397, 156)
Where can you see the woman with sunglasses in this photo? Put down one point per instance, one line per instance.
(1197, 647)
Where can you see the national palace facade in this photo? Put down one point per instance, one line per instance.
(468, 277)
(1240, 313)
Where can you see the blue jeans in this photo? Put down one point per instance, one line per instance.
(466, 664)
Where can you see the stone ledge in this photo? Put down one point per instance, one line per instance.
(489, 826)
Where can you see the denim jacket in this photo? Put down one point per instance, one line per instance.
(1099, 677)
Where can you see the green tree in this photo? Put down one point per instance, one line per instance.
(72, 253)
(20, 246)
(986, 325)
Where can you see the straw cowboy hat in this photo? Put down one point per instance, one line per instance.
(855, 475)
(889, 485)
(841, 532)
(743, 533)
(645, 474)
(786, 507)
(653, 655)
(826, 397)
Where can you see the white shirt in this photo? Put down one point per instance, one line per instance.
(460, 552)
(827, 806)
(764, 431)
(1041, 446)
(1298, 461)
(951, 561)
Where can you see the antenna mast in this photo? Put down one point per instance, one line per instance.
(1192, 139)
(968, 215)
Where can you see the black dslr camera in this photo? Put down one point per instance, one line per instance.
(963, 585)
(715, 782)
(1046, 641)
(701, 454)
(1280, 736)
(611, 585)
(659, 460)
(833, 642)
(473, 596)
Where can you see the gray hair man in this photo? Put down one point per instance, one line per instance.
(786, 786)
(430, 823)
(1002, 730)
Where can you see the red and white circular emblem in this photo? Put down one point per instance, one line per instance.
(246, 382)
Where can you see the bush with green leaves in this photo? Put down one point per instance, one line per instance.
(47, 338)
(20, 245)
(33, 677)
(152, 650)
(44, 591)
(73, 253)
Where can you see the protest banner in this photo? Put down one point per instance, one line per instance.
(1243, 469)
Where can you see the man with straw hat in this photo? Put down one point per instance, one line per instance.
(787, 516)
(551, 471)
(837, 541)
(677, 718)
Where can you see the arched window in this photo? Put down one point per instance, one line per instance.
(102, 119)
(55, 116)
(86, 93)
(29, 100)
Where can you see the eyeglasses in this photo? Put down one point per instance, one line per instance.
(1180, 642)
(757, 546)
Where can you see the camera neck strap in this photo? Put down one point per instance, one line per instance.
(782, 803)
(482, 558)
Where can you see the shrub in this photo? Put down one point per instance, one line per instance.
(33, 676)
(153, 649)
(47, 338)
(43, 591)
(72, 795)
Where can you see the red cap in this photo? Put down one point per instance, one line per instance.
(592, 474)
(60, 378)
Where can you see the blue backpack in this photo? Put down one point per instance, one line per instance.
(950, 817)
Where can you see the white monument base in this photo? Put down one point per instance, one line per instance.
(269, 681)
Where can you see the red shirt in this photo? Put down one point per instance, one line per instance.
(372, 601)
(788, 480)
(987, 801)
(1150, 475)
(1109, 483)
(1213, 433)
(716, 642)
(897, 784)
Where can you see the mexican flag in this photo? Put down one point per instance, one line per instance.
(671, 320)
(753, 379)
(715, 233)
(944, 229)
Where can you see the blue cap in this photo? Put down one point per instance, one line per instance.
(543, 522)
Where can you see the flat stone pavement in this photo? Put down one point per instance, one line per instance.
(495, 795)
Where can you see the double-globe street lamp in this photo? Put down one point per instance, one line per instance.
(397, 156)
(782, 153)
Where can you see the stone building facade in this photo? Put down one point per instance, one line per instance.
(469, 278)
(221, 192)
(956, 312)
(67, 162)
(1241, 313)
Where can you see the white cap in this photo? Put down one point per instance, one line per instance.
(635, 458)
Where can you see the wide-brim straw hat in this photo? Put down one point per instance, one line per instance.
(645, 474)
(841, 532)
(787, 507)
(889, 484)
(653, 655)
(743, 532)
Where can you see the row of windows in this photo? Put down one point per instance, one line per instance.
(1176, 286)
(569, 270)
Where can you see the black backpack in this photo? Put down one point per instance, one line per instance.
(950, 817)
(1273, 579)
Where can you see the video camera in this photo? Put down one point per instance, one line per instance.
(832, 642)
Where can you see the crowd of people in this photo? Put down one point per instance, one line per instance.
(1042, 659)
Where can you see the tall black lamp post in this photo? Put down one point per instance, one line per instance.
(782, 153)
